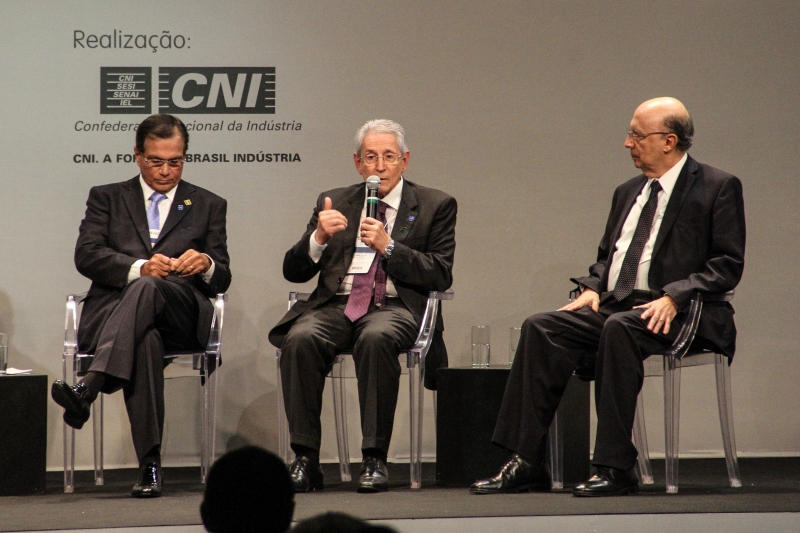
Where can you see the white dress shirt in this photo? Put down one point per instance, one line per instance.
(392, 200)
(667, 182)
(163, 211)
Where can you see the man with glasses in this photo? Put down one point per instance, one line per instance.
(155, 250)
(676, 229)
(374, 279)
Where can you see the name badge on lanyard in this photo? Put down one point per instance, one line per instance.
(362, 259)
(154, 233)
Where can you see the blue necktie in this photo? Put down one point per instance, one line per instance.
(153, 219)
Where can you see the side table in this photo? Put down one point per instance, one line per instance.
(23, 437)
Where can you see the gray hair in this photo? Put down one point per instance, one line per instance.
(683, 128)
(382, 126)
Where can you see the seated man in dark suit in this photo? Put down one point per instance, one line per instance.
(155, 250)
(676, 229)
(374, 279)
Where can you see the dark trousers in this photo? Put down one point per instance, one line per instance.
(551, 347)
(152, 316)
(307, 355)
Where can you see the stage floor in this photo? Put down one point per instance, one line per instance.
(771, 485)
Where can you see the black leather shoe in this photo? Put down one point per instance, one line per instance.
(73, 400)
(150, 481)
(374, 476)
(517, 475)
(306, 474)
(608, 481)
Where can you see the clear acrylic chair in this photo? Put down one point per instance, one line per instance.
(668, 364)
(181, 364)
(415, 363)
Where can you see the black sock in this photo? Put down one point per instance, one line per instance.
(311, 453)
(94, 382)
(374, 452)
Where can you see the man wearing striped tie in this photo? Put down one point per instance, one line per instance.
(374, 279)
(155, 250)
(676, 229)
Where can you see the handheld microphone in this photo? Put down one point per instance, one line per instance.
(373, 182)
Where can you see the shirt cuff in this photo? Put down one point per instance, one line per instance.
(315, 249)
(208, 274)
(136, 270)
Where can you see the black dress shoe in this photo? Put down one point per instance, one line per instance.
(306, 474)
(609, 481)
(74, 401)
(374, 476)
(150, 481)
(517, 475)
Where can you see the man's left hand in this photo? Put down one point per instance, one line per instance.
(374, 235)
(190, 263)
(660, 312)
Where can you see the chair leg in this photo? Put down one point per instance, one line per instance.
(209, 414)
(416, 396)
(556, 448)
(672, 411)
(643, 469)
(723, 374)
(69, 459)
(340, 417)
(284, 447)
(97, 433)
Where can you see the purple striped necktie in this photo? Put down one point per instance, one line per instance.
(361, 290)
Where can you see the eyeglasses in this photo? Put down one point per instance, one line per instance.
(636, 136)
(389, 159)
(155, 162)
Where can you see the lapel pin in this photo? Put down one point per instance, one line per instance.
(180, 207)
(403, 229)
(187, 202)
(411, 218)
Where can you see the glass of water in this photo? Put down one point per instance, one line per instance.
(480, 346)
(3, 352)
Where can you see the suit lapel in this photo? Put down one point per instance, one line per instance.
(352, 211)
(629, 201)
(133, 196)
(182, 203)
(407, 213)
(683, 185)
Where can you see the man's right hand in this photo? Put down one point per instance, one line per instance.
(158, 266)
(587, 297)
(329, 222)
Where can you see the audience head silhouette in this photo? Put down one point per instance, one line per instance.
(247, 491)
(338, 523)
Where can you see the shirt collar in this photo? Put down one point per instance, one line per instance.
(148, 191)
(395, 196)
(667, 181)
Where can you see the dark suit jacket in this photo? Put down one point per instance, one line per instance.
(114, 234)
(422, 261)
(699, 247)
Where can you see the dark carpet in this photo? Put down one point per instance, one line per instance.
(770, 485)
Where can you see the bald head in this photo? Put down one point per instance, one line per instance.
(660, 133)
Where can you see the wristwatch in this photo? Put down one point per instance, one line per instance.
(387, 253)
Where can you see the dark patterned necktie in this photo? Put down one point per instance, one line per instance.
(361, 290)
(630, 265)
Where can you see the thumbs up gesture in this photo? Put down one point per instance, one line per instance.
(329, 222)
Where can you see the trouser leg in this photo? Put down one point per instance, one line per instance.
(380, 336)
(624, 344)
(307, 354)
(550, 347)
(152, 314)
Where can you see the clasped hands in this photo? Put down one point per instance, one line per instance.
(659, 312)
(331, 222)
(190, 263)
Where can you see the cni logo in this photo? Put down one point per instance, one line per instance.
(216, 90)
(125, 90)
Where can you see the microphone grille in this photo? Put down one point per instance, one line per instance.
(373, 182)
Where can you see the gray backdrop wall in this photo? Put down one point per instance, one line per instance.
(517, 108)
